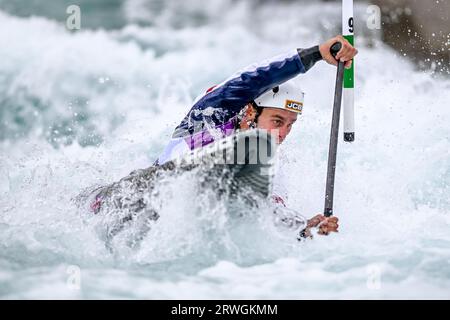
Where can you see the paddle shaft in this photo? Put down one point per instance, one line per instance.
(331, 169)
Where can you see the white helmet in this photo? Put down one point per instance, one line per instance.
(286, 96)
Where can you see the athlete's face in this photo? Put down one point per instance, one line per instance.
(277, 121)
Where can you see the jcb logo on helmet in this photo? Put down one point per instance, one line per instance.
(294, 106)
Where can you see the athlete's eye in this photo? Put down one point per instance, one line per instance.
(278, 123)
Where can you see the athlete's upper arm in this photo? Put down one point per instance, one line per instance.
(253, 81)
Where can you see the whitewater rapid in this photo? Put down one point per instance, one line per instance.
(88, 107)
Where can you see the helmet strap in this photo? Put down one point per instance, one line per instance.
(258, 111)
(251, 123)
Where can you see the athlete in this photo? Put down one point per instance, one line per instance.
(260, 96)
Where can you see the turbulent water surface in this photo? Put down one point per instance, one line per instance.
(82, 108)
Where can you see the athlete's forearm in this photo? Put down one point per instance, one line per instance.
(289, 218)
(309, 56)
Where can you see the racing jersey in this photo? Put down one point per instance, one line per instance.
(214, 115)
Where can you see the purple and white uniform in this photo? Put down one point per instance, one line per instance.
(214, 115)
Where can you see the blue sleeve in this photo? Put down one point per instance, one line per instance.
(253, 81)
(227, 99)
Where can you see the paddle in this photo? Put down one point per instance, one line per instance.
(328, 211)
